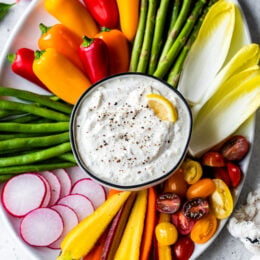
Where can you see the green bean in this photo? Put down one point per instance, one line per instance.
(25, 118)
(37, 156)
(4, 178)
(40, 99)
(34, 142)
(54, 127)
(34, 167)
(16, 135)
(68, 157)
(33, 109)
(7, 113)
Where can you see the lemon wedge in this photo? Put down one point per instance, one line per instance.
(162, 107)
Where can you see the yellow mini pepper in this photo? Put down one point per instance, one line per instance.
(73, 15)
(60, 75)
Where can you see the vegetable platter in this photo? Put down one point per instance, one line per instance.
(26, 34)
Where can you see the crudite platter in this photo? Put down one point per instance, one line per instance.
(26, 34)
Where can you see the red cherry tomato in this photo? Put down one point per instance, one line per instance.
(183, 248)
(168, 203)
(196, 208)
(236, 148)
(213, 159)
(222, 173)
(182, 223)
(234, 173)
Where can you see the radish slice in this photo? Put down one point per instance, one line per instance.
(91, 189)
(70, 220)
(41, 227)
(55, 186)
(23, 193)
(47, 198)
(79, 203)
(65, 181)
(76, 173)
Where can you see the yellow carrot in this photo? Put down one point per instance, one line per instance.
(129, 248)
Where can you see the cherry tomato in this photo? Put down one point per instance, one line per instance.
(235, 148)
(213, 159)
(204, 229)
(168, 203)
(182, 223)
(192, 171)
(166, 233)
(202, 188)
(234, 173)
(177, 184)
(183, 248)
(222, 173)
(221, 200)
(196, 208)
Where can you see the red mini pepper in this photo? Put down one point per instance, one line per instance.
(94, 56)
(105, 12)
(22, 63)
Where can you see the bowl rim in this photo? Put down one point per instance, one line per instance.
(137, 186)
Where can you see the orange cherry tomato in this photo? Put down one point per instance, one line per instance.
(221, 200)
(204, 229)
(202, 188)
(192, 171)
(176, 183)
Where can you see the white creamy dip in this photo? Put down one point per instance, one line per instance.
(121, 140)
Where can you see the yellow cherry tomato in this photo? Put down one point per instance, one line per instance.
(192, 171)
(221, 200)
(166, 233)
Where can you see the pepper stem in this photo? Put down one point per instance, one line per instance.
(105, 29)
(11, 57)
(38, 54)
(44, 28)
(86, 41)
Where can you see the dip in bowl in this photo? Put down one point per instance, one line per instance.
(119, 140)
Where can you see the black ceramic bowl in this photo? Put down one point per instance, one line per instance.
(76, 138)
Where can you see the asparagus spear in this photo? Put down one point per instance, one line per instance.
(175, 13)
(158, 35)
(184, 12)
(168, 59)
(148, 35)
(174, 74)
(139, 35)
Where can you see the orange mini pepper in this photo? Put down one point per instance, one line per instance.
(63, 40)
(118, 50)
(74, 15)
(60, 75)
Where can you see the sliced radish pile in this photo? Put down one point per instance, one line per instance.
(79, 203)
(51, 203)
(41, 227)
(65, 181)
(55, 186)
(70, 220)
(23, 193)
(92, 190)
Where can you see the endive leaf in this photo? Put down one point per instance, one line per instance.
(246, 57)
(236, 100)
(208, 52)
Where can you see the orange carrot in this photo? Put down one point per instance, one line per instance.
(150, 222)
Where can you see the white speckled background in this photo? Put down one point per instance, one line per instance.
(225, 247)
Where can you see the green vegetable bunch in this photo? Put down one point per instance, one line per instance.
(34, 133)
(163, 41)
